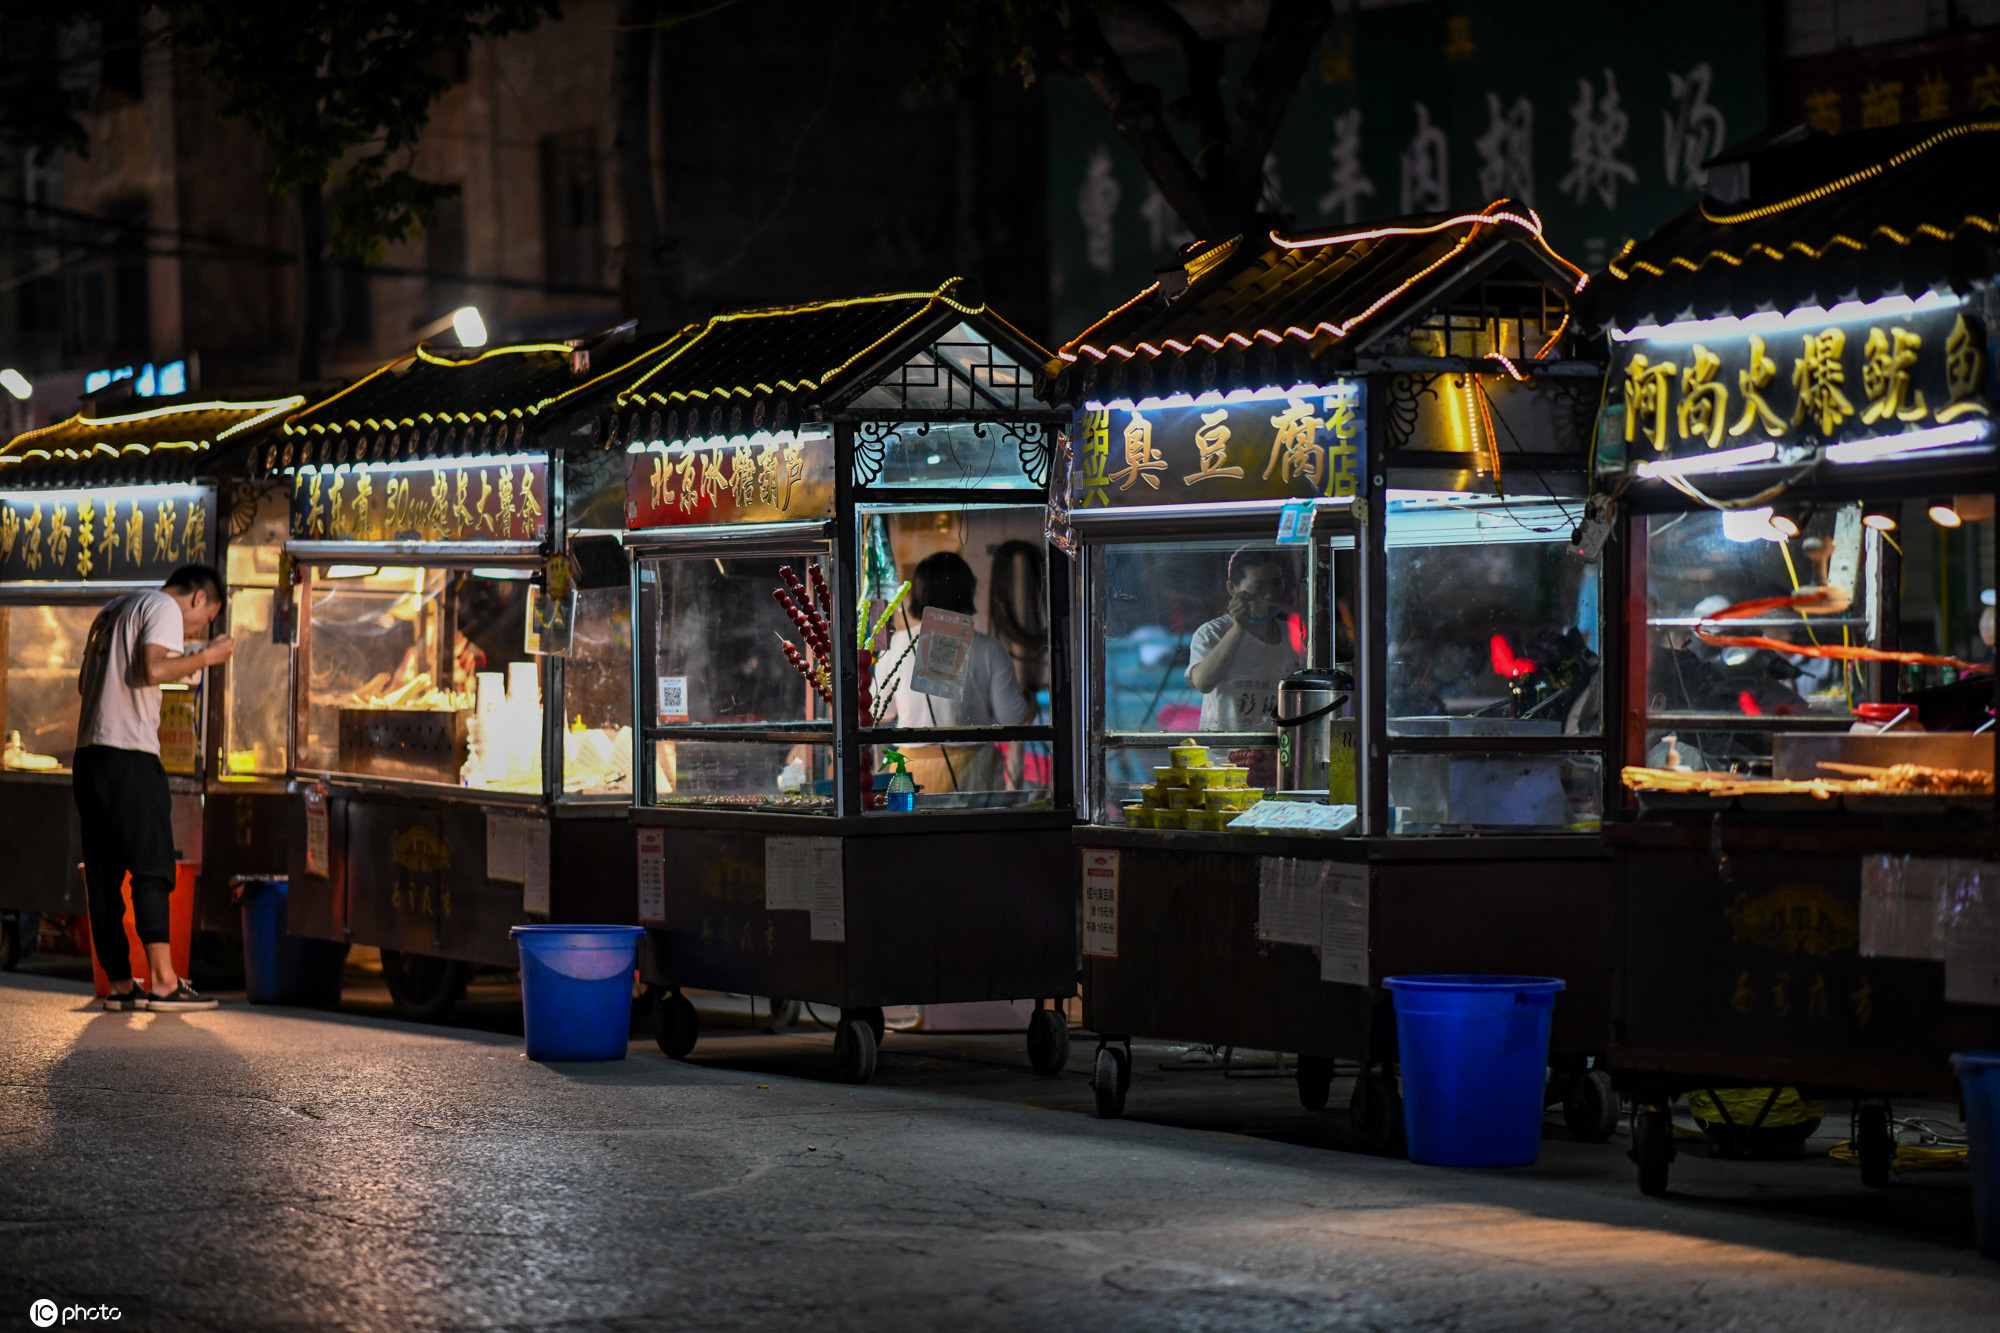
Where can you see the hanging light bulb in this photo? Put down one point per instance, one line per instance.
(1879, 522)
(1944, 515)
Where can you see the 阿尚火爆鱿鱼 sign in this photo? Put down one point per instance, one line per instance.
(1303, 445)
(1809, 378)
(491, 500)
(114, 535)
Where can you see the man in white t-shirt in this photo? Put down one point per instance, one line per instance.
(135, 646)
(1236, 660)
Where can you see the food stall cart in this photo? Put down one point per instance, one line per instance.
(836, 513)
(1326, 489)
(101, 505)
(1799, 437)
(460, 698)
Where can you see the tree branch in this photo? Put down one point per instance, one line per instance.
(1202, 110)
(1292, 32)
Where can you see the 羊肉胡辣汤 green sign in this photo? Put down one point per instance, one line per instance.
(1306, 445)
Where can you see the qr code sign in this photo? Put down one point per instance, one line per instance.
(673, 699)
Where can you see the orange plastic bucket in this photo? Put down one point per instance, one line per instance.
(180, 929)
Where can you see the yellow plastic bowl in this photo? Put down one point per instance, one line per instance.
(1139, 816)
(1233, 798)
(1152, 796)
(1170, 777)
(1228, 775)
(1183, 798)
(1188, 755)
(1169, 818)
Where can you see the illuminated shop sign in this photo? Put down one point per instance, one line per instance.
(747, 479)
(127, 535)
(503, 499)
(1892, 377)
(147, 380)
(1305, 444)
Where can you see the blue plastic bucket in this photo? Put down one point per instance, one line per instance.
(576, 990)
(1979, 1081)
(279, 967)
(1475, 1053)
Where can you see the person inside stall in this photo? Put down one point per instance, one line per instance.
(1237, 659)
(991, 696)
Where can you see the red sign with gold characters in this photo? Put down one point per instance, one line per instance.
(447, 502)
(766, 480)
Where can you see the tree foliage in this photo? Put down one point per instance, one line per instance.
(1216, 185)
(340, 93)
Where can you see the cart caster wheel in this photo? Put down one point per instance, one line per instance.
(1874, 1145)
(1315, 1081)
(1653, 1149)
(1375, 1110)
(854, 1047)
(17, 937)
(872, 1016)
(1110, 1076)
(784, 1014)
(1048, 1041)
(1591, 1108)
(424, 988)
(676, 1026)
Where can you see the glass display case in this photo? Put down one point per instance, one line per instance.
(742, 695)
(427, 675)
(44, 650)
(1839, 642)
(1493, 638)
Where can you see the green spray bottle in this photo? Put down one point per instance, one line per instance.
(902, 791)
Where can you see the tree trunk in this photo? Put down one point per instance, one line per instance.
(312, 282)
(645, 280)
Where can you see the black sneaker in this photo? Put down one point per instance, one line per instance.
(179, 1000)
(114, 1003)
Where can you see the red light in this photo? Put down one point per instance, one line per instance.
(1504, 661)
(1298, 629)
(1748, 703)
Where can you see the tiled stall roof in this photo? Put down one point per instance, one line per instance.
(162, 444)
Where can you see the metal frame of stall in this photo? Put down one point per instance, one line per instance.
(170, 481)
(926, 907)
(1392, 335)
(1756, 940)
(431, 462)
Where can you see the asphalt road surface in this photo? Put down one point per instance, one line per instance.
(254, 1169)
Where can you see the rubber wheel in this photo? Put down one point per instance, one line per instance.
(1315, 1081)
(872, 1016)
(16, 933)
(854, 1049)
(1653, 1150)
(784, 1014)
(1375, 1111)
(423, 987)
(1591, 1107)
(1110, 1076)
(676, 1025)
(1048, 1041)
(1874, 1146)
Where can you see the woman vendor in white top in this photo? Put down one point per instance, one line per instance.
(1237, 660)
(992, 696)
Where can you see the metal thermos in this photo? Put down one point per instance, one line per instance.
(1316, 733)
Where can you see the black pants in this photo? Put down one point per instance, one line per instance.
(128, 828)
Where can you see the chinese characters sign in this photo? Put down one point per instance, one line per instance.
(1303, 446)
(449, 503)
(109, 536)
(1799, 385)
(765, 480)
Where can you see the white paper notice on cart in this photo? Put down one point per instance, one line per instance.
(1288, 891)
(944, 650)
(1100, 902)
(788, 874)
(506, 847)
(652, 875)
(829, 892)
(535, 868)
(317, 861)
(1343, 924)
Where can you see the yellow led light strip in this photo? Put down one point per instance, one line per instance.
(1852, 178)
(1492, 215)
(423, 353)
(259, 411)
(1761, 248)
